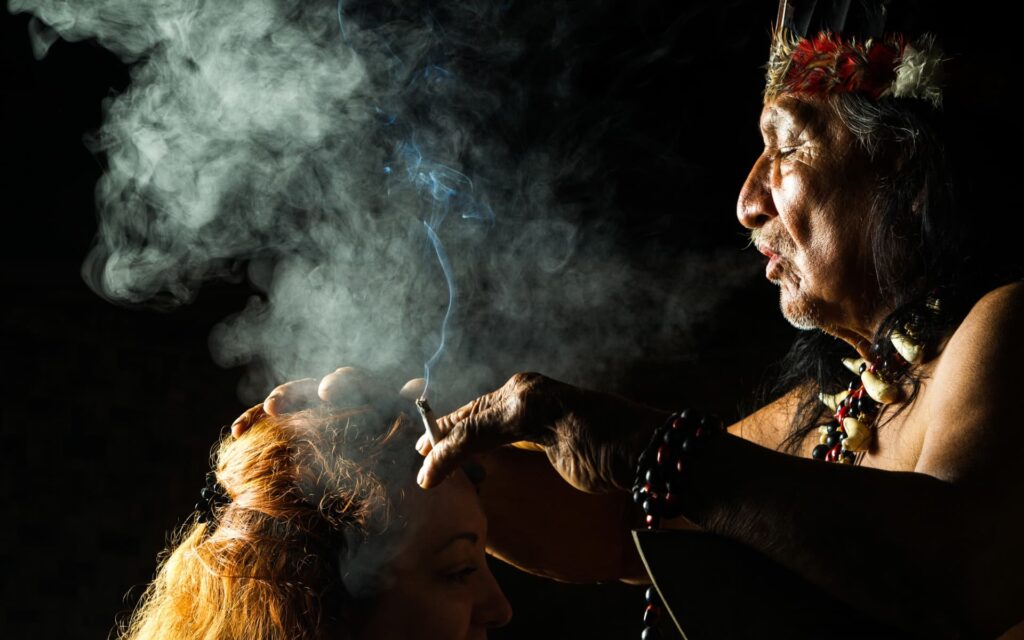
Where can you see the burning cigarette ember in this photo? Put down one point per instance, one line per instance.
(429, 421)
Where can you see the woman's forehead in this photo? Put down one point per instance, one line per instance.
(451, 508)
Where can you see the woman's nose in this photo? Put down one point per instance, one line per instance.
(755, 205)
(492, 609)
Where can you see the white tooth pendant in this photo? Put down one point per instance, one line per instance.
(907, 348)
(833, 400)
(853, 364)
(880, 391)
(858, 435)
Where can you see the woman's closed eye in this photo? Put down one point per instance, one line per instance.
(461, 574)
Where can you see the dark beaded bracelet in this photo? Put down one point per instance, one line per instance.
(660, 467)
(659, 483)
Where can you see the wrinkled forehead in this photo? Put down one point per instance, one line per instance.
(789, 115)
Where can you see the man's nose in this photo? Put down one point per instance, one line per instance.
(492, 609)
(755, 206)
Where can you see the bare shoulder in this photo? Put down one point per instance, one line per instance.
(987, 340)
(998, 310)
(769, 425)
(971, 402)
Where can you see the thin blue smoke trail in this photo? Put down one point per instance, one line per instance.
(446, 267)
(443, 187)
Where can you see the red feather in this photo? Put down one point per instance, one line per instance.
(828, 64)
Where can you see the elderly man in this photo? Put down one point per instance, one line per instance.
(887, 479)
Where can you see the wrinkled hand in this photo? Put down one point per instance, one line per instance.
(345, 387)
(590, 438)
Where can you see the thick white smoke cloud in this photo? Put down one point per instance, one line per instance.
(265, 134)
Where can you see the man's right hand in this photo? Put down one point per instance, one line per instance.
(588, 439)
(591, 438)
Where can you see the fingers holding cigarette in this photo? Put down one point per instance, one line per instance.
(472, 429)
(429, 420)
(446, 422)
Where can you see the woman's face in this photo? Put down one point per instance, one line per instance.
(442, 588)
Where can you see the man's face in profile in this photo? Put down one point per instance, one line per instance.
(807, 202)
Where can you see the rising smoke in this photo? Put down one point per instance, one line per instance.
(307, 143)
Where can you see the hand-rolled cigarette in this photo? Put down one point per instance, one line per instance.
(429, 421)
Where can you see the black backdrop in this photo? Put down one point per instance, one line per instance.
(109, 412)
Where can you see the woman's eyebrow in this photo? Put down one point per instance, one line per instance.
(464, 535)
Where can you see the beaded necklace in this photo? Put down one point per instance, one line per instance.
(855, 410)
(662, 464)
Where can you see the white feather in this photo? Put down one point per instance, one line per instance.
(917, 75)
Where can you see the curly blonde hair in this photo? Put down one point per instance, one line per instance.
(305, 491)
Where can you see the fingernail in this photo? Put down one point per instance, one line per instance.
(420, 476)
(421, 444)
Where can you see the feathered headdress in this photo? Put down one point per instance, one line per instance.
(842, 46)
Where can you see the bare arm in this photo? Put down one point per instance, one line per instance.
(936, 550)
(540, 524)
(769, 425)
(543, 525)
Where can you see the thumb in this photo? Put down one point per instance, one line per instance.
(481, 430)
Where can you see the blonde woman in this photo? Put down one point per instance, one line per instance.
(316, 530)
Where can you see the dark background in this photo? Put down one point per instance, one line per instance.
(109, 412)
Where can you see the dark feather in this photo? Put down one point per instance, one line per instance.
(859, 19)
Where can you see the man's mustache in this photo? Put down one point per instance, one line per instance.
(779, 243)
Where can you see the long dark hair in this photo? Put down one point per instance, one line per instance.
(936, 245)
